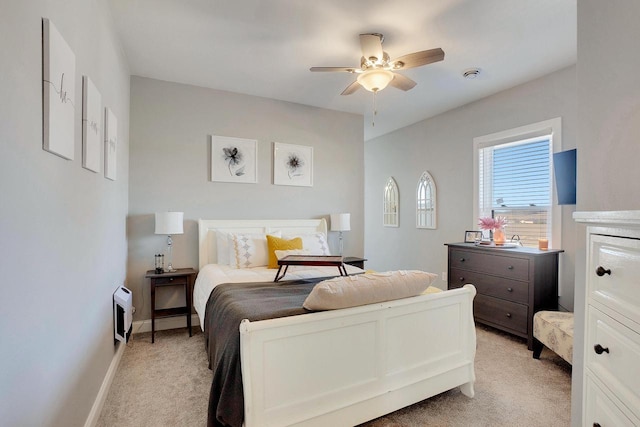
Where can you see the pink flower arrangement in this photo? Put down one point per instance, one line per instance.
(496, 223)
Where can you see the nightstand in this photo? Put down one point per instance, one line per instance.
(355, 261)
(180, 277)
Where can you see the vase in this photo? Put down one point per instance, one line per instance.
(498, 236)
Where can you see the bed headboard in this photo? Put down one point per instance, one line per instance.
(208, 253)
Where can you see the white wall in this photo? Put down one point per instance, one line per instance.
(170, 159)
(443, 145)
(608, 134)
(63, 250)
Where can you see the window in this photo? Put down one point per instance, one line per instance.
(514, 179)
(390, 208)
(426, 202)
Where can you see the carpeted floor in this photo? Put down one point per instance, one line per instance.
(167, 384)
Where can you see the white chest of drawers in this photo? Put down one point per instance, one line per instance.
(611, 381)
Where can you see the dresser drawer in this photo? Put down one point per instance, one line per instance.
(617, 365)
(499, 287)
(483, 261)
(601, 410)
(504, 313)
(619, 285)
(181, 280)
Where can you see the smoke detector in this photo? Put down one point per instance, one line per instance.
(471, 73)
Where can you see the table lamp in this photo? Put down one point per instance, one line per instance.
(169, 223)
(341, 222)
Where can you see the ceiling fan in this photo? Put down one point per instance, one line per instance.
(377, 70)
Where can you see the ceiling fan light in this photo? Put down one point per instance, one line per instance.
(375, 80)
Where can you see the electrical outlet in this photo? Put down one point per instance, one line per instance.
(444, 276)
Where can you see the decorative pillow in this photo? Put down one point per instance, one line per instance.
(315, 243)
(222, 244)
(362, 289)
(282, 254)
(248, 250)
(276, 244)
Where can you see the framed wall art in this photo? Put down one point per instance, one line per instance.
(292, 164)
(91, 125)
(234, 159)
(391, 204)
(110, 143)
(58, 92)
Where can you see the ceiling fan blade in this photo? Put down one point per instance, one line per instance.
(418, 59)
(402, 82)
(345, 69)
(371, 45)
(351, 88)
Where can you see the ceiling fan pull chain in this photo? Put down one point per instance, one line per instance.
(375, 110)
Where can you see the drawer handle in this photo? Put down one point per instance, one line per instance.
(509, 289)
(510, 267)
(171, 279)
(600, 349)
(462, 279)
(509, 315)
(462, 260)
(600, 271)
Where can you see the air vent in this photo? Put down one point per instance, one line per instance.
(471, 73)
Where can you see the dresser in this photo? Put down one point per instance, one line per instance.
(611, 377)
(512, 284)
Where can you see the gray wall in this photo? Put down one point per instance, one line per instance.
(443, 146)
(64, 249)
(171, 126)
(608, 134)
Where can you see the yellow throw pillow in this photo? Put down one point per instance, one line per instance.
(278, 244)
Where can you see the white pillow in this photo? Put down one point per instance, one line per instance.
(362, 289)
(315, 243)
(281, 254)
(249, 250)
(222, 244)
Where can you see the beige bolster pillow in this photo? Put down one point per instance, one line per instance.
(370, 288)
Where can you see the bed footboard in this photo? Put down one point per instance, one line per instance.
(344, 367)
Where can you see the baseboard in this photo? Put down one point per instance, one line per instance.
(165, 323)
(98, 404)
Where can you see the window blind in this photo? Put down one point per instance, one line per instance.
(515, 182)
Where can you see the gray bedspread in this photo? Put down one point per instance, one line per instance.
(228, 304)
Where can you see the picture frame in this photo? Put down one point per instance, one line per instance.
(292, 165)
(234, 160)
(110, 143)
(91, 126)
(58, 93)
(472, 236)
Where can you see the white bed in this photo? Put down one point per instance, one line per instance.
(341, 367)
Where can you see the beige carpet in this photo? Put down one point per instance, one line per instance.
(167, 384)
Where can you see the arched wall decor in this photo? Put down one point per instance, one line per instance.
(391, 207)
(426, 202)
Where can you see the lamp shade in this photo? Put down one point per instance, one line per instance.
(169, 222)
(375, 80)
(341, 222)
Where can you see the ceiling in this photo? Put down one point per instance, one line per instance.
(266, 47)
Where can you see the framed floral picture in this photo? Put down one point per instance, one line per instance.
(234, 159)
(110, 143)
(91, 125)
(58, 91)
(292, 164)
